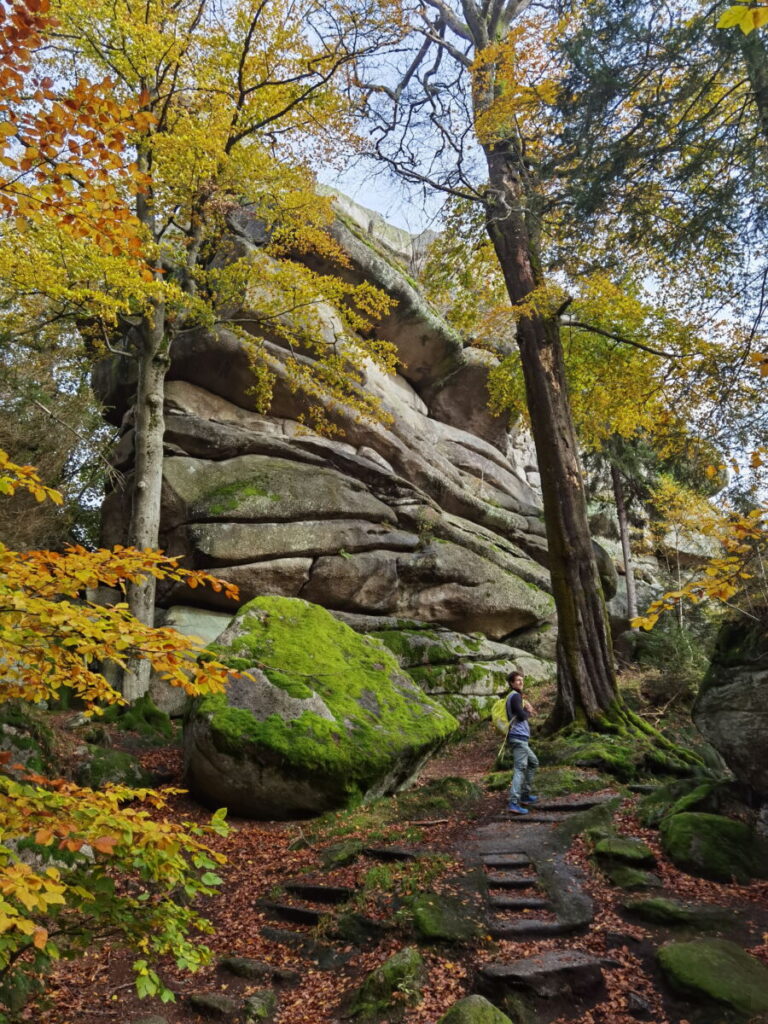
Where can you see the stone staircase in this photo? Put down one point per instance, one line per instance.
(526, 852)
(527, 888)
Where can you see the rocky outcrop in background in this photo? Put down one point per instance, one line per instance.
(731, 709)
(429, 524)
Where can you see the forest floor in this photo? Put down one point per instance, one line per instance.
(441, 834)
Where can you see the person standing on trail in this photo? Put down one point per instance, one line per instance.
(518, 736)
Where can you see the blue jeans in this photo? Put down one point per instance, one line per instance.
(526, 763)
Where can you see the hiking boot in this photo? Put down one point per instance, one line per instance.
(517, 809)
(531, 799)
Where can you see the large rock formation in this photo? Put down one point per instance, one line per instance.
(431, 515)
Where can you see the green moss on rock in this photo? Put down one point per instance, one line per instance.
(717, 970)
(366, 722)
(260, 1005)
(631, 851)
(438, 918)
(656, 806)
(474, 1010)
(714, 847)
(142, 717)
(111, 766)
(624, 876)
(662, 910)
(391, 987)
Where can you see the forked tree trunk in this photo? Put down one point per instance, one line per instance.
(153, 362)
(586, 682)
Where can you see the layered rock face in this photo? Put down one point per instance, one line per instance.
(731, 709)
(430, 521)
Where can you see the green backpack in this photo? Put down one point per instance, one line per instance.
(499, 715)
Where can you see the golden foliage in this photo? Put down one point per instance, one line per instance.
(51, 903)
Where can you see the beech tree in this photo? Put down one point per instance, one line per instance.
(76, 864)
(216, 107)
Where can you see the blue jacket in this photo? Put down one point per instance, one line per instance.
(519, 729)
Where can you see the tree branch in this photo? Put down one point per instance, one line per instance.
(568, 322)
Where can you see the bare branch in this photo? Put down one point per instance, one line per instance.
(451, 20)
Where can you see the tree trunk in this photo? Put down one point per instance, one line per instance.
(585, 669)
(621, 511)
(153, 362)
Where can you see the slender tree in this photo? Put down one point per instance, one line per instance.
(223, 106)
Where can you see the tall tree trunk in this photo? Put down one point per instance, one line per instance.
(586, 681)
(621, 512)
(153, 362)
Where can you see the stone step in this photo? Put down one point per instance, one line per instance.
(326, 958)
(581, 804)
(532, 818)
(511, 881)
(519, 903)
(554, 973)
(506, 860)
(533, 928)
(317, 893)
(392, 853)
(295, 913)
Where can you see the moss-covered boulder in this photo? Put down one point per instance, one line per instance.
(658, 804)
(104, 765)
(474, 1010)
(630, 851)
(25, 736)
(666, 911)
(717, 970)
(714, 847)
(624, 876)
(439, 918)
(328, 717)
(390, 988)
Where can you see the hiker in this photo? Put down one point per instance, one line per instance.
(518, 735)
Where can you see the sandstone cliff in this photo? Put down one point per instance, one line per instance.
(428, 522)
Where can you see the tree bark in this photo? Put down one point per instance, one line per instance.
(586, 675)
(153, 362)
(621, 511)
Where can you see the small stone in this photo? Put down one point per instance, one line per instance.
(639, 1007)
(474, 1010)
(214, 1004)
(341, 854)
(260, 1006)
(662, 910)
(152, 1019)
(246, 967)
